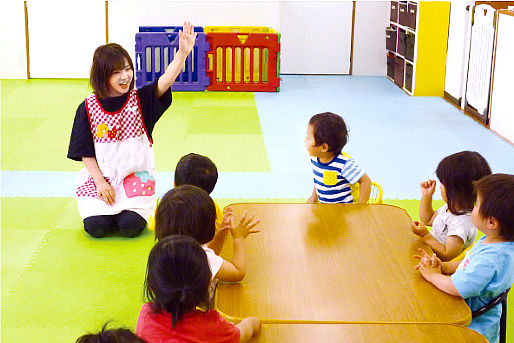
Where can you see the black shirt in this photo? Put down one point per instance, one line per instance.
(152, 108)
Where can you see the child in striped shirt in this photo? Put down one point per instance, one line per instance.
(333, 171)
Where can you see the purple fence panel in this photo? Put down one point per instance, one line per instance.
(155, 51)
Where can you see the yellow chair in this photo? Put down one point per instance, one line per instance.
(375, 196)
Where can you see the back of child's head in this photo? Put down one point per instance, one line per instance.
(457, 173)
(177, 277)
(106, 59)
(196, 170)
(186, 210)
(496, 193)
(120, 335)
(331, 129)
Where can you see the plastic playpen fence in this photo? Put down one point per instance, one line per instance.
(243, 61)
(155, 49)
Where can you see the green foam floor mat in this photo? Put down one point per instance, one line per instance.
(36, 136)
(76, 282)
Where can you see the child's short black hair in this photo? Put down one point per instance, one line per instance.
(186, 210)
(106, 59)
(496, 194)
(457, 173)
(120, 335)
(331, 129)
(177, 277)
(196, 170)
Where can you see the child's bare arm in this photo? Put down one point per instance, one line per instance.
(313, 198)
(441, 281)
(426, 212)
(248, 328)
(187, 39)
(449, 268)
(235, 269)
(219, 237)
(454, 244)
(364, 189)
(103, 188)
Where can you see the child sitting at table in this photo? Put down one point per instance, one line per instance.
(200, 171)
(120, 335)
(452, 228)
(177, 285)
(488, 268)
(188, 210)
(333, 171)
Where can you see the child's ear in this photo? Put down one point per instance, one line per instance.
(324, 147)
(492, 223)
(174, 184)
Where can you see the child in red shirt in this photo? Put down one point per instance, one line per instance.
(177, 285)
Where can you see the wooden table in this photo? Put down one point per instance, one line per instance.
(364, 333)
(334, 264)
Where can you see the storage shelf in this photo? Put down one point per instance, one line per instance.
(424, 41)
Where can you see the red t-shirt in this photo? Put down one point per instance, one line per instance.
(194, 327)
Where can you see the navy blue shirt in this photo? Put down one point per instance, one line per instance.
(152, 108)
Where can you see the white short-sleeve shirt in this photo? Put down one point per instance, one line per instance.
(214, 260)
(448, 224)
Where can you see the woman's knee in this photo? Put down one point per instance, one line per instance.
(98, 226)
(130, 223)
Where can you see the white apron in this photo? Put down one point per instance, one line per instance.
(125, 156)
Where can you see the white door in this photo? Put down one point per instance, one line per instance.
(315, 37)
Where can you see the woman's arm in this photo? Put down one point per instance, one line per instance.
(103, 188)
(186, 43)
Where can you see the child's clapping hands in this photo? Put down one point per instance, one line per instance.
(428, 265)
(244, 226)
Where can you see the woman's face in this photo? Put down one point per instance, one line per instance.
(120, 80)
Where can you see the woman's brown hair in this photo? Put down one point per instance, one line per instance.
(106, 59)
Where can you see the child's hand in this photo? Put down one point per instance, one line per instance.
(312, 200)
(428, 187)
(427, 260)
(106, 192)
(228, 212)
(419, 228)
(428, 271)
(226, 224)
(245, 226)
(187, 37)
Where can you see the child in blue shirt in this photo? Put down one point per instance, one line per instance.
(333, 171)
(488, 268)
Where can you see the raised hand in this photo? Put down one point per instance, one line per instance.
(428, 187)
(187, 37)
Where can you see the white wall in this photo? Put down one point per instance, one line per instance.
(63, 34)
(13, 59)
(371, 19)
(316, 37)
